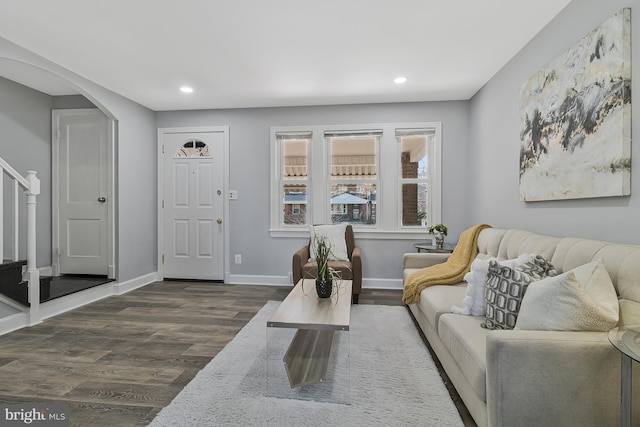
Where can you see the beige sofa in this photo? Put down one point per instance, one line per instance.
(523, 377)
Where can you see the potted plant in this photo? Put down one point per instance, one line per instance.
(439, 231)
(325, 276)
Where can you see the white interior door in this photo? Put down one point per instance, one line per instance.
(83, 202)
(193, 199)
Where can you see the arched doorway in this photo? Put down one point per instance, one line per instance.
(63, 95)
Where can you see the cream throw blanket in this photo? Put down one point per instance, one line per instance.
(448, 273)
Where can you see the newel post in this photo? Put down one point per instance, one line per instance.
(33, 275)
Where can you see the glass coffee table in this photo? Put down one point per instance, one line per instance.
(308, 346)
(627, 340)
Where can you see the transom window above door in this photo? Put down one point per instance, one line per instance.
(193, 148)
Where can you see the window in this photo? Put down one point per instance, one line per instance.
(382, 178)
(193, 148)
(353, 176)
(414, 175)
(293, 176)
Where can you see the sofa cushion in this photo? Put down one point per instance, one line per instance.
(466, 343)
(516, 242)
(621, 261)
(437, 300)
(489, 243)
(582, 299)
(506, 287)
(629, 312)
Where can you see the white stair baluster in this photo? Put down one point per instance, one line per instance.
(31, 185)
(16, 220)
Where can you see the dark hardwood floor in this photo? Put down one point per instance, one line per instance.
(119, 361)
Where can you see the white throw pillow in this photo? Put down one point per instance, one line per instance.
(335, 234)
(582, 299)
(473, 303)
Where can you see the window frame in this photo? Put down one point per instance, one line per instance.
(278, 164)
(331, 181)
(434, 216)
(388, 181)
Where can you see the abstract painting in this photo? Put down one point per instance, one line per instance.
(576, 119)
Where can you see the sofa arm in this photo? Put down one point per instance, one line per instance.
(300, 258)
(537, 378)
(418, 260)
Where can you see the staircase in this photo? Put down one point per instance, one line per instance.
(20, 280)
(13, 286)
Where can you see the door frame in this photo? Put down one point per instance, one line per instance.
(55, 189)
(225, 190)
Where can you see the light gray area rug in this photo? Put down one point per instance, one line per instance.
(394, 381)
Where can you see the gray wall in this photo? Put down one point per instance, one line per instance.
(136, 226)
(495, 137)
(480, 158)
(25, 121)
(66, 102)
(250, 175)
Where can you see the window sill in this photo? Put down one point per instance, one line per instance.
(360, 234)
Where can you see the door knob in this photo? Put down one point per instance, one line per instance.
(219, 220)
(102, 199)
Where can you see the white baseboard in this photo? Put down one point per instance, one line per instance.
(12, 303)
(239, 279)
(138, 282)
(76, 300)
(79, 299)
(382, 283)
(245, 279)
(13, 322)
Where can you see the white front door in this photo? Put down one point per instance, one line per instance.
(193, 199)
(81, 159)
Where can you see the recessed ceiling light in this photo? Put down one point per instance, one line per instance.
(186, 89)
(400, 80)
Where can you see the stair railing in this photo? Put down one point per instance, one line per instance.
(31, 186)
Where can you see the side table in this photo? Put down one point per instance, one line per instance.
(627, 340)
(447, 248)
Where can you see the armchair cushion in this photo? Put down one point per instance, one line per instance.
(336, 235)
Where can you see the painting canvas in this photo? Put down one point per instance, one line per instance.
(576, 119)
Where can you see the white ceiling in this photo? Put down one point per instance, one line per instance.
(255, 53)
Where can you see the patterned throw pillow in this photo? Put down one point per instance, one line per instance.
(473, 302)
(506, 287)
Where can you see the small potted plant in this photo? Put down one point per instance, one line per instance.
(325, 276)
(439, 231)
